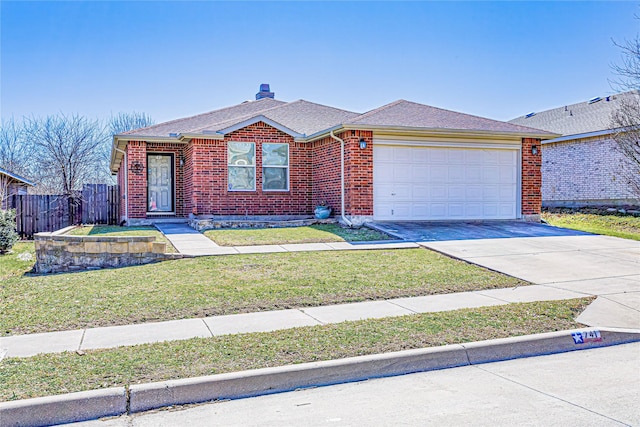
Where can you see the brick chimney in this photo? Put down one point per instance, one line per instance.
(265, 92)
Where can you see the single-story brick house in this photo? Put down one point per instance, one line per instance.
(582, 167)
(402, 161)
(10, 184)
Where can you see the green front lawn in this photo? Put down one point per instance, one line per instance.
(319, 233)
(114, 230)
(208, 286)
(68, 372)
(627, 227)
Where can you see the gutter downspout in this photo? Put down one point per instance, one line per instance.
(349, 223)
(126, 183)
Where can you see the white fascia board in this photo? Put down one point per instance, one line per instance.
(580, 136)
(257, 119)
(443, 143)
(416, 131)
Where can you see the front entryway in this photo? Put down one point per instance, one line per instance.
(442, 183)
(160, 183)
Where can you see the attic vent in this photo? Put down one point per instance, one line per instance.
(594, 100)
(173, 135)
(530, 115)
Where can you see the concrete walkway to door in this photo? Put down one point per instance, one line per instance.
(191, 242)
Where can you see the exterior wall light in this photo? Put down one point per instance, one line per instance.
(363, 143)
(534, 150)
(181, 161)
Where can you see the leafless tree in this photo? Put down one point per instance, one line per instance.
(66, 151)
(15, 152)
(626, 120)
(123, 122)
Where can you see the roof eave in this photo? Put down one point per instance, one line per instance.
(582, 135)
(408, 130)
(17, 177)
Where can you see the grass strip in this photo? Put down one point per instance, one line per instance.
(114, 230)
(207, 286)
(69, 372)
(626, 227)
(319, 233)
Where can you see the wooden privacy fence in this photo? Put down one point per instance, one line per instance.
(95, 204)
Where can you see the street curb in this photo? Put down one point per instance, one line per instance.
(141, 397)
(285, 378)
(64, 408)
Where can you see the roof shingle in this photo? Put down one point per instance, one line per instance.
(403, 113)
(580, 118)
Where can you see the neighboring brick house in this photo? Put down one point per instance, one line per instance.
(402, 161)
(10, 184)
(582, 167)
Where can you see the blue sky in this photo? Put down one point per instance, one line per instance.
(172, 59)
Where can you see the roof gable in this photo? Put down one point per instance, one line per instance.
(575, 119)
(199, 122)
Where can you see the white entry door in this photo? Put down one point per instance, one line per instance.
(159, 183)
(434, 183)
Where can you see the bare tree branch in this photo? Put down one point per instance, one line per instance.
(67, 151)
(626, 120)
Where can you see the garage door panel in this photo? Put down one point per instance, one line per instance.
(473, 173)
(419, 193)
(456, 193)
(456, 173)
(419, 173)
(427, 183)
(438, 192)
(438, 173)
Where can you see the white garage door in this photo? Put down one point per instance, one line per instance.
(432, 183)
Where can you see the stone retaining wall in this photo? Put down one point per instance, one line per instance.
(56, 252)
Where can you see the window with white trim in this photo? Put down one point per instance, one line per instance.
(241, 162)
(275, 167)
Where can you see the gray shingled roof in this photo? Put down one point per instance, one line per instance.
(307, 118)
(196, 123)
(577, 118)
(403, 113)
(303, 117)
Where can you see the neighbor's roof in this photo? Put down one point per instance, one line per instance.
(584, 117)
(408, 114)
(16, 177)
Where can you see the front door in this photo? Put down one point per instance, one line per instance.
(160, 183)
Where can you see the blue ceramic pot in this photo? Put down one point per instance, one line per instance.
(322, 212)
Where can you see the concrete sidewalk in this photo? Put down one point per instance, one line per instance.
(188, 241)
(126, 335)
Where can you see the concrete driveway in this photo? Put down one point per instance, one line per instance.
(605, 266)
(551, 257)
(435, 231)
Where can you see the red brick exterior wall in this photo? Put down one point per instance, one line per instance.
(358, 171)
(206, 177)
(325, 175)
(137, 192)
(531, 177)
(122, 210)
